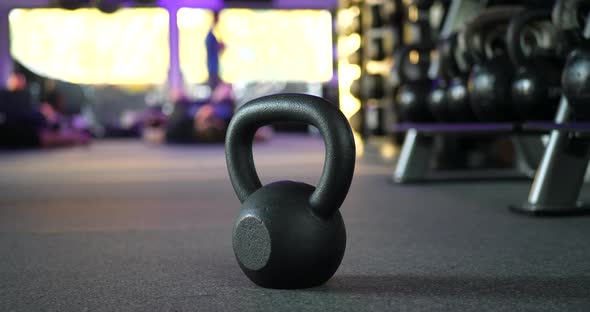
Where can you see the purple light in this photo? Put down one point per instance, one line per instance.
(204, 4)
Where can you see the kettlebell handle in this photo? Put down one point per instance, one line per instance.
(327, 118)
(403, 59)
(490, 17)
(514, 32)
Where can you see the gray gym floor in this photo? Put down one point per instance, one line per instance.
(124, 226)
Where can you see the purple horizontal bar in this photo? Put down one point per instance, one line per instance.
(570, 126)
(456, 127)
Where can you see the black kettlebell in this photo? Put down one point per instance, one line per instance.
(437, 102)
(531, 45)
(412, 102)
(576, 82)
(454, 68)
(490, 80)
(569, 16)
(290, 234)
(490, 87)
(458, 101)
(451, 57)
(412, 62)
(411, 98)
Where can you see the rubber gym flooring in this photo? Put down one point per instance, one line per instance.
(125, 226)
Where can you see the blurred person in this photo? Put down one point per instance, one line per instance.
(214, 48)
(197, 122)
(204, 121)
(16, 82)
(30, 130)
(51, 96)
(25, 126)
(54, 109)
(51, 104)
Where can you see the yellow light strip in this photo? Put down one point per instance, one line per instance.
(414, 57)
(412, 13)
(348, 45)
(347, 73)
(378, 67)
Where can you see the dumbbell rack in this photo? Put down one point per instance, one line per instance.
(413, 164)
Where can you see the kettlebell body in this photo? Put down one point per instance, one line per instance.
(449, 101)
(533, 46)
(411, 97)
(437, 103)
(412, 101)
(535, 95)
(490, 79)
(290, 234)
(458, 103)
(490, 90)
(280, 243)
(576, 82)
(413, 62)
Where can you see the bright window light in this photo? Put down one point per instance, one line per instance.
(260, 45)
(193, 27)
(86, 46)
